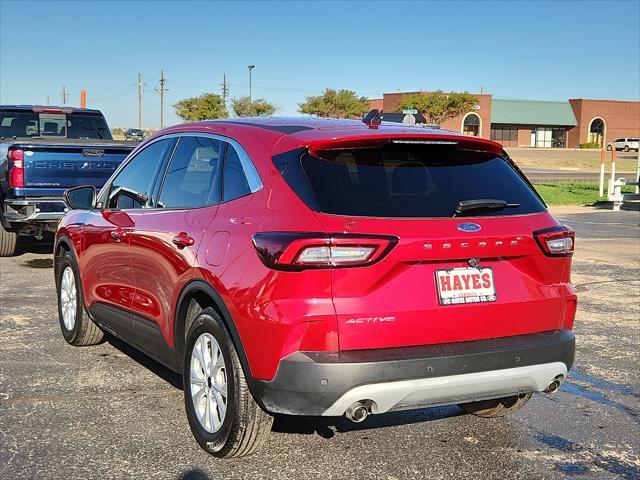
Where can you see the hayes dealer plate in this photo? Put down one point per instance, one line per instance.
(465, 285)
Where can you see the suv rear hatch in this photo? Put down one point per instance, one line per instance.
(460, 270)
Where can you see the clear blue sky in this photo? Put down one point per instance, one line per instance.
(537, 50)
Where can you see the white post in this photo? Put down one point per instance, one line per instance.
(613, 164)
(638, 173)
(602, 159)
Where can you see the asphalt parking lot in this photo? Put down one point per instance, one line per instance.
(109, 412)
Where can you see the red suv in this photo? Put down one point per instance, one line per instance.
(321, 267)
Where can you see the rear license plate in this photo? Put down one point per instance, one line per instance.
(465, 285)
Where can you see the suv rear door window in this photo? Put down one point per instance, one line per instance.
(193, 176)
(412, 180)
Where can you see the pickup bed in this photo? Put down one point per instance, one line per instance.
(43, 152)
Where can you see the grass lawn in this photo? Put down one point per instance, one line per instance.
(572, 193)
(587, 160)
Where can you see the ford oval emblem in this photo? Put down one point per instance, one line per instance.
(468, 227)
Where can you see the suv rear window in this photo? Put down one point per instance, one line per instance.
(411, 180)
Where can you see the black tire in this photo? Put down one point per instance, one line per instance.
(497, 407)
(8, 241)
(608, 148)
(83, 332)
(245, 426)
(626, 148)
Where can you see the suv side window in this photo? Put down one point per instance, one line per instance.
(131, 188)
(240, 177)
(193, 177)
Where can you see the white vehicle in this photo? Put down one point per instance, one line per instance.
(625, 144)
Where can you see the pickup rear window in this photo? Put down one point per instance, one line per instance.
(411, 180)
(21, 124)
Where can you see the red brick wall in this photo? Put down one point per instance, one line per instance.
(391, 100)
(621, 118)
(375, 103)
(524, 136)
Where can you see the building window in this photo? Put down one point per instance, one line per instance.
(559, 137)
(471, 125)
(548, 137)
(504, 133)
(596, 132)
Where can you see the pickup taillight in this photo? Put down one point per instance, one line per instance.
(16, 167)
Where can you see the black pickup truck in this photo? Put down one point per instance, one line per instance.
(44, 151)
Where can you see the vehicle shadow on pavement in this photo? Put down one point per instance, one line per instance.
(29, 244)
(327, 427)
(194, 474)
(150, 364)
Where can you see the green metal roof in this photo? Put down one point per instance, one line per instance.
(532, 112)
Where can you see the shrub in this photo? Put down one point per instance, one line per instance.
(590, 145)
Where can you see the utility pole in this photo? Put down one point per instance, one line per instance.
(161, 91)
(225, 89)
(251, 67)
(64, 95)
(139, 101)
(48, 103)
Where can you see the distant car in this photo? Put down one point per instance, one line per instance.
(321, 267)
(134, 134)
(625, 144)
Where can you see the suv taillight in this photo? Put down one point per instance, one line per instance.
(295, 251)
(556, 241)
(16, 167)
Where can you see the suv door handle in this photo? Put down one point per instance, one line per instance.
(183, 240)
(118, 235)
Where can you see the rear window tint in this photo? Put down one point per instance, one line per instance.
(413, 181)
(74, 125)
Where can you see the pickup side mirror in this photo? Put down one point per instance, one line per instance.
(81, 198)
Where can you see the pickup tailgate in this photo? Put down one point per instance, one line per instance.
(66, 166)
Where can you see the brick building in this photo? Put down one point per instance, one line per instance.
(534, 123)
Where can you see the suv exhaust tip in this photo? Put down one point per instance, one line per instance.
(357, 412)
(554, 385)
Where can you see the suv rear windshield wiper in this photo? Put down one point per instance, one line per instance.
(482, 204)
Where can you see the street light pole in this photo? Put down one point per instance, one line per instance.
(251, 67)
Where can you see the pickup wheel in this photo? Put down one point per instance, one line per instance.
(8, 241)
(224, 418)
(497, 407)
(77, 328)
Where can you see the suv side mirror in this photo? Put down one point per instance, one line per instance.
(81, 198)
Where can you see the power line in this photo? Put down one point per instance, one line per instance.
(120, 93)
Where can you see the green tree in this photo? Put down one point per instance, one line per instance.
(259, 107)
(205, 107)
(335, 103)
(436, 107)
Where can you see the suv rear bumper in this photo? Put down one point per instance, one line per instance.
(322, 383)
